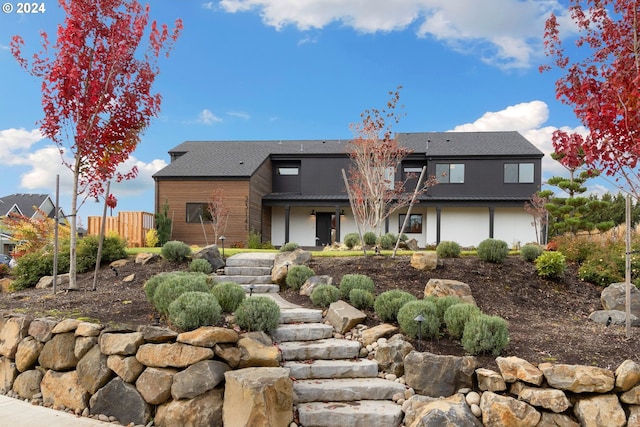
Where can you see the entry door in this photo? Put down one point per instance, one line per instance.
(323, 228)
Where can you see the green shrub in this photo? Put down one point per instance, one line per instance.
(493, 250)
(175, 251)
(355, 281)
(255, 240)
(361, 298)
(575, 248)
(297, 275)
(369, 238)
(551, 265)
(229, 294)
(530, 252)
(192, 310)
(151, 238)
(457, 316)
(200, 265)
(389, 303)
(175, 285)
(113, 248)
(289, 247)
(258, 314)
(484, 334)
(351, 240)
(429, 327)
(31, 267)
(324, 295)
(605, 265)
(443, 303)
(152, 284)
(388, 241)
(448, 249)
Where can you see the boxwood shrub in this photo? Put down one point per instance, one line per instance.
(192, 310)
(258, 314)
(388, 303)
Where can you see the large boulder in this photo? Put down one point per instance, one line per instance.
(204, 410)
(258, 397)
(343, 317)
(390, 355)
(122, 401)
(313, 282)
(423, 411)
(12, 331)
(211, 254)
(500, 410)
(436, 375)
(613, 297)
(424, 260)
(578, 378)
(284, 261)
(448, 287)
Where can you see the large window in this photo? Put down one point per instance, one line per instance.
(288, 171)
(518, 173)
(413, 226)
(197, 210)
(450, 173)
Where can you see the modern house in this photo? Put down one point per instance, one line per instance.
(29, 205)
(294, 190)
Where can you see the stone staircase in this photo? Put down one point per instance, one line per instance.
(333, 387)
(252, 271)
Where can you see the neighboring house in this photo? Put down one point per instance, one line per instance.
(29, 205)
(294, 190)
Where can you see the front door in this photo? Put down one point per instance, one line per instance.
(323, 228)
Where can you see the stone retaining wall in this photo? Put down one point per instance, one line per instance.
(133, 376)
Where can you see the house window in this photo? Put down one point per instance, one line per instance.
(521, 173)
(288, 171)
(413, 226)
(195, 211)
(450, 173)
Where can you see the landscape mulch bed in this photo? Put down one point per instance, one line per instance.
(547, 319)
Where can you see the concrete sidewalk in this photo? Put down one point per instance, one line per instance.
(18, 413)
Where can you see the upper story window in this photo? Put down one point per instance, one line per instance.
(518, 173)
(289, 171)
(450, 173)
(198, 211)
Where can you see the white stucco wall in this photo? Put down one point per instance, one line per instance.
(466, 226)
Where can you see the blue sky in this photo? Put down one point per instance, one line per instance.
(292, 69)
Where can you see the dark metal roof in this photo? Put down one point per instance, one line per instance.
(24, 202)
(200, 159)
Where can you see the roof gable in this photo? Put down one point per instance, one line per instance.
(25, 203)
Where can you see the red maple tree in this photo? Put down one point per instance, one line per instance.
(602, 87)
(96, 91)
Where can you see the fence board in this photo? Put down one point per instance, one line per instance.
(132, 226)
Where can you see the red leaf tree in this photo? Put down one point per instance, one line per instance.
(602, 87)
(96, 91)
(219, 212)
(374, 192)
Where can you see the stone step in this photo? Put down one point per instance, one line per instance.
(363, 413)
(345, 389)
(359, 368)
(251, 260)
(261, 288)
(321, 349)
(247, 271)
(302, 332)
(300, 315)
(245, 280)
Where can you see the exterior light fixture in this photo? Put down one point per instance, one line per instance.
(313, 212)
(251, 288)
(222, 238)
(342, 212)
(419, 319)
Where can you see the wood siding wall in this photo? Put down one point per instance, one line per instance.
(180, 192)
(261, 185)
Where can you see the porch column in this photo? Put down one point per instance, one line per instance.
(438, 222)
(492, 211)
(386, 225)
(287, 212)
(338, 219)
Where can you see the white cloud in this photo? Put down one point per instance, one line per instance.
(239, 114)
(208, 5)
(208, 118)
(16, 143)
(526, 118)
(506, 33)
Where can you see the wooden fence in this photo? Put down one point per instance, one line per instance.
(132, 226)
